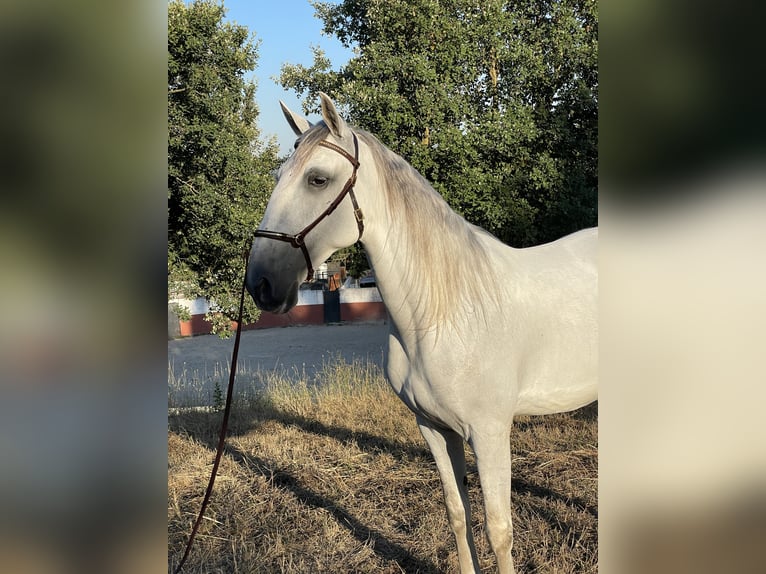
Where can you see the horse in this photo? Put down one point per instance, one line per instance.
(479, 332)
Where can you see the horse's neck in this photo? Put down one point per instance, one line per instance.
(384, 244)
(401, 269)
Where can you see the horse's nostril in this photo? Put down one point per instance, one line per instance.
(262, 292)
(260, 288)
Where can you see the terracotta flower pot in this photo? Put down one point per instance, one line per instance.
(186, 328)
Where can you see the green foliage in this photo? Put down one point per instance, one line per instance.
(218, 402)
(220, 323)
(219, 172)
(495, 103)
(355, 260)
(181, 311)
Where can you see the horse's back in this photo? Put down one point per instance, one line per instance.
(568, 264)
(580, 247)
(583, 244)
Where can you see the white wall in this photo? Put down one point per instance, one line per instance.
(365, 295)
(307, 297)
(200, 305)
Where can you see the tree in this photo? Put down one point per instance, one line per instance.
(354, 260)
(219, 172)
(495, 103)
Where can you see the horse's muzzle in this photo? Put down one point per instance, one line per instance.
(266, 298)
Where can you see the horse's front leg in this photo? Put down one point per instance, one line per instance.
(447, 449)
(493, 458)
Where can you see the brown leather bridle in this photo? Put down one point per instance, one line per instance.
(298, 240)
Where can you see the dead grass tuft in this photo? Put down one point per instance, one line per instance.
(336, 478)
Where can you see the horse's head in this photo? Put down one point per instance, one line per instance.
(312, 211)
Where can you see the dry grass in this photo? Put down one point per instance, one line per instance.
(336, 478)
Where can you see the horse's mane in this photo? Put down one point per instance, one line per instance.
(441, 251)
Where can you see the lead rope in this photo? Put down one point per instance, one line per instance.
(224, 424)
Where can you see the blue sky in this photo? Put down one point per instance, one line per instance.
(286, 29)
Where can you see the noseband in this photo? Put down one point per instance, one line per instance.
(299, 239)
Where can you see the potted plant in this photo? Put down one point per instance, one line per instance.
(184, 318)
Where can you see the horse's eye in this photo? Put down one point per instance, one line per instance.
(317, 181)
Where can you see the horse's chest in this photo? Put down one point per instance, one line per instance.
(418, 395)
(427, 394)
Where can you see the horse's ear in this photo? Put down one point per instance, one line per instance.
(331, 117)
(298, 123)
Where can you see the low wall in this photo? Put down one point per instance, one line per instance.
(309, 310)
(356, 305)
(361, 305)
